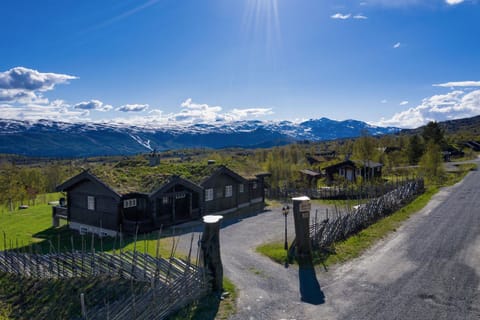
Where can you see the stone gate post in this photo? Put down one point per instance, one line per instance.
(210, 246)
(301, 215)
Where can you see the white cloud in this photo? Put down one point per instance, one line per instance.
(452, 105)
(397, 45)
(403, 103)
(21, 78)
(93, 105)
(133, 107)
(384, 101)
(239, 114)
(458, 84)
(341, 16)
(195, 113)
(56, 110)
(453, 2)
(360, 17)
(23, 85)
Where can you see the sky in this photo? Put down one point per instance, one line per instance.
(162, 62)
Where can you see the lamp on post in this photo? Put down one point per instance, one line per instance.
(285, 214)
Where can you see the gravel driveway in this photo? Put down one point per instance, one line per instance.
(428, 269)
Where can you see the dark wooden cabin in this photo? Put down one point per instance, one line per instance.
(350, 170)
(177, 201)
(225, 191)
(94, 206)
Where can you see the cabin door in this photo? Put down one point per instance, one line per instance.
(183, 205)
(349, 174)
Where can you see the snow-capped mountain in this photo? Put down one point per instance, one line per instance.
(61, 139)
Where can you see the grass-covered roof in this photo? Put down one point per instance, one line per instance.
(135, 175)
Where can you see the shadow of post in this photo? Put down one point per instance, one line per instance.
(310, 291)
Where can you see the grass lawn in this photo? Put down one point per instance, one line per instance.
(33, 299)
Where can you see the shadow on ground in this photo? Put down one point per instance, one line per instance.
(310, 291)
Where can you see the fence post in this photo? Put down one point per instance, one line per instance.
(82, 304)
(301, 214)
(210, 245)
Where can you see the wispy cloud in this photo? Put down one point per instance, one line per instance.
(124, 15)
(346, 16)
(458, 84)
(341, 16)
(452, 105)
(360, 17)
(453, 2)
(133, 107)
(403, 103)
(384, 101)
(397, 45)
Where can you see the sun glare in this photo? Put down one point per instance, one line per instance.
(262, 21)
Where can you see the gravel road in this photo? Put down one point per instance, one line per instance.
(428, 269)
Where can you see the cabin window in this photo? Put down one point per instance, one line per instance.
(254, 185)
(91, 203)
(342, 172)
(228, 191)
(129, 203)
(165, 200)
(180, 195)
(208, 194)
(241, 188)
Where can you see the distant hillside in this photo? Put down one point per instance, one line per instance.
(469, 125)
(47, 138)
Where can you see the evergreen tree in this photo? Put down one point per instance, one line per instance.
(415, 149)
(433, 133)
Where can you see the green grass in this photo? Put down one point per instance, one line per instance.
(43, 198)
(211, 307)
(273, 250)
(31, 229)
(356, 244)
(22, 298)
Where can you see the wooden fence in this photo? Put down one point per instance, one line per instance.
(167, 284)
(351, 192)
(339, 225)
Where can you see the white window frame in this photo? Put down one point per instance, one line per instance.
(91, 203)
(241, 188)
(181, 195)
(129, 203)
(165, 200)
(228, 191)
(209, 194)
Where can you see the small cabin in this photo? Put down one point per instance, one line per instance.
(350, 170)
(95, 206)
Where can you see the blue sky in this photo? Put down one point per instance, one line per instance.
(156, 62)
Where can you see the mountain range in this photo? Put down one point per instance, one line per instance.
(47, 138)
